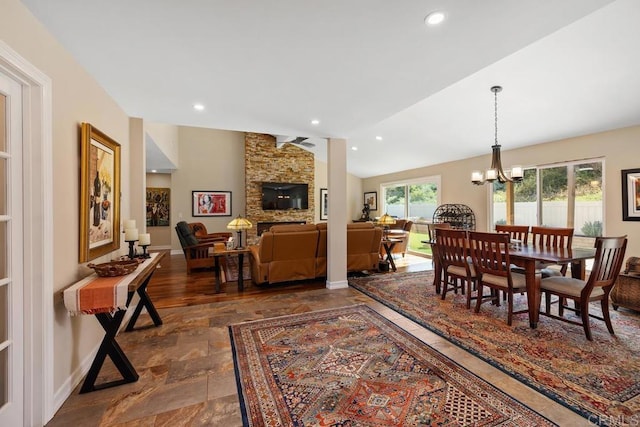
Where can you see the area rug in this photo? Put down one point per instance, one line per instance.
(600, 380)
(352, 367)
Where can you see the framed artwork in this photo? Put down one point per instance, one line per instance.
(631, 195)
(158, 207)
(324, 204)
(211, 203)
(99, 194)
(371, 199)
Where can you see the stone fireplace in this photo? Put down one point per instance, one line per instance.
(266, 163)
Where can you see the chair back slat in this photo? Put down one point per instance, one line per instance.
(607, 264)
(518, 232)
(552, 237)
(490, 253)
(452, 245)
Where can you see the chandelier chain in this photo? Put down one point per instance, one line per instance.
(495, 110)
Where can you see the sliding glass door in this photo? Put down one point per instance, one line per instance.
(416, 201)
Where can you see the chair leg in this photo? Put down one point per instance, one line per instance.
(479, 300)
(604, 303)
(584, 313)
(547, 302)
(561, 303)
(509, 308)
(469, 282)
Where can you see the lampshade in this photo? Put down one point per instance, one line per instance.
(239, 223)
(386, 219)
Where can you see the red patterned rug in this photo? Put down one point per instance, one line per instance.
(352, 367)
(599, 380)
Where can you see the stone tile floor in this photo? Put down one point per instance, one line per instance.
(187, 375)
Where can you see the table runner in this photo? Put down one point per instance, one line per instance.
(95, 294)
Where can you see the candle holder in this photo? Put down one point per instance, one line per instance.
(132, 253)
(144, 252)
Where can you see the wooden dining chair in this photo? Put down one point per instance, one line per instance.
(456, 264)
(490, 256)
(552, 237)
(606, 267)
(437, 264)
(516, 232)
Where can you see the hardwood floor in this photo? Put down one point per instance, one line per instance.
(171, 286)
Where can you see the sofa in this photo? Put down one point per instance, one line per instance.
(299, 252)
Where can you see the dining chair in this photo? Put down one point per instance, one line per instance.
(437, 264)
(490, 256)
(516, 232)
(552, 237)
(606, 267)
(456, 263)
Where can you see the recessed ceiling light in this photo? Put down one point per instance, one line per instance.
(198, 107)
(315, 122)
(379, 138)
(434, 18)
(354, 148)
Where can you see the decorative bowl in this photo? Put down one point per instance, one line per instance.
(114, 268)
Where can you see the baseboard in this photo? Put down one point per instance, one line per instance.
(78, 375)
(176, 251)
(67, 387)
(338, 284)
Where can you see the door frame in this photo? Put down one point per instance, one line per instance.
(37, 235)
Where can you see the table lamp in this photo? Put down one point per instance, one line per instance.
(239, 223)
(385, 221)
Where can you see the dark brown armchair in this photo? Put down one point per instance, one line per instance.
(196, 253)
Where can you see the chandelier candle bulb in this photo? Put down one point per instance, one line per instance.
(516, 172)
(130, 234)
(492, 174)
(145, 239)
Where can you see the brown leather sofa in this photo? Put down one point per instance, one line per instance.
(299, 252)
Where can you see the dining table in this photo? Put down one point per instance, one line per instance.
(528, 257)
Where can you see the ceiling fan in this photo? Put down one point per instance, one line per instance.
(298, 140)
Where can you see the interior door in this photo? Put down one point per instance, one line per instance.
(11, 302)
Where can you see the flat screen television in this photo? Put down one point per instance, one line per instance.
(284, 195)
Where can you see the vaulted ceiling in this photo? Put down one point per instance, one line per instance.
(365, 69)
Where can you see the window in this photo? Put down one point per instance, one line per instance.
(414, 200)
(568, 194)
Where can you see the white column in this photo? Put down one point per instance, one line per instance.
(137, 174)
(337, 222)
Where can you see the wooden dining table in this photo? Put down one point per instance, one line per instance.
(527, 257)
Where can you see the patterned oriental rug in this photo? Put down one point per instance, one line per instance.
(352, 367)
(599, 380)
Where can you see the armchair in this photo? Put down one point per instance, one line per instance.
(400, 230)
(196, 253)
(200, 232)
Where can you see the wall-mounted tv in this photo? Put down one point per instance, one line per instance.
(284, 195)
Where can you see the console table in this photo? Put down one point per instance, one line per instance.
(136, 282)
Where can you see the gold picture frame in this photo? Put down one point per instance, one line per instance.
(99, 194)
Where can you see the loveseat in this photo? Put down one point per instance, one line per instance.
(299, 252)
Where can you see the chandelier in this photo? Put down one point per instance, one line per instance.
(496, 171)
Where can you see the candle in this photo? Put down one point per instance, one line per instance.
(144, 239)
(129, 223)
(130, 234)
